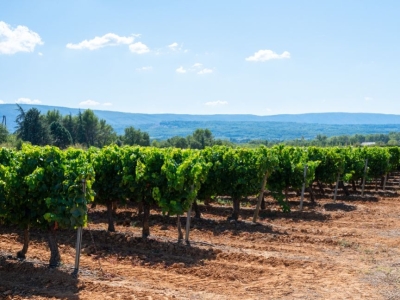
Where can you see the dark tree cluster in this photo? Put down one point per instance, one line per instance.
(200, 139)
(53, 128)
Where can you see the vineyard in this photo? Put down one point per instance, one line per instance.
(266, 223)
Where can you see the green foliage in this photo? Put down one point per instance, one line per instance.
(200, 139)
(61, 136)
(32, 127)
(185, 171)
(41, 186)
(331, 163)
(3, 134)
(135, 137)
(107, 164)
(290, 172)
(378, 161)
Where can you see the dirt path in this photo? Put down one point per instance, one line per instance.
(343, 250)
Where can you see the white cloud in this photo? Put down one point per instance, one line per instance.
(181, 70)
(173, 46)
(139, 48)
(2, 102)
(205, 71)
(264, 55)
(368, 99)
(109, 39)
(146, 68)
(27, 101)
(176, 47)
(216, 103)
(20, 39)
(197, 65)
(89, 103)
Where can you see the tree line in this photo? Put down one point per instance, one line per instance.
(380, 139)
(87, 130)
(84, 129)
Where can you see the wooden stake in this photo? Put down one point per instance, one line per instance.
(188, 218)
(303, 187)
(336, 187)
(364, 177)
(260, 198)
(78, 245)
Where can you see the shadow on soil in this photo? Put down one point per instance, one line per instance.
(25, 279)
(120, 245)
(339, 207)
(129, 218)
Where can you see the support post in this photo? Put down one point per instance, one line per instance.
(78, 245)
(303, 187)
(364, 177)
(384, 181)
(77, 251)
(260, 197)
(188, 219)
(336, 187)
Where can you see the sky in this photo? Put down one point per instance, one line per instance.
(202, 56)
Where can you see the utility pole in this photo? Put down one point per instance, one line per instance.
(4, 121)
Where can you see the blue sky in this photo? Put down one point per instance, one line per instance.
(201, 56)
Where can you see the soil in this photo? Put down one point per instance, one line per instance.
(348, 249)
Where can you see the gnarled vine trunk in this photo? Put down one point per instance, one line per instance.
(197, 210)
(21, 254)
(310, 190)
(114, 207)
(236, 208)
(110, 217)
(55, 258)
(263, 206)
(179, 226)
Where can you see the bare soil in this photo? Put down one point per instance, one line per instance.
(343, 250)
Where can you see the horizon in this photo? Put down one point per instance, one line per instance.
(238, 114)
(256, 57)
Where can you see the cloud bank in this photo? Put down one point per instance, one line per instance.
(216, 103)
(264, 55)
(91, 102)
(19, 39)
(180, 70)
(110, 40)
(28, 101)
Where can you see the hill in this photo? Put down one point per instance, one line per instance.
(236, 127)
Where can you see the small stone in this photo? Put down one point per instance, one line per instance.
(6, 293)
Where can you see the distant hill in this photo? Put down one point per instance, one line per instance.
(237, 127)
